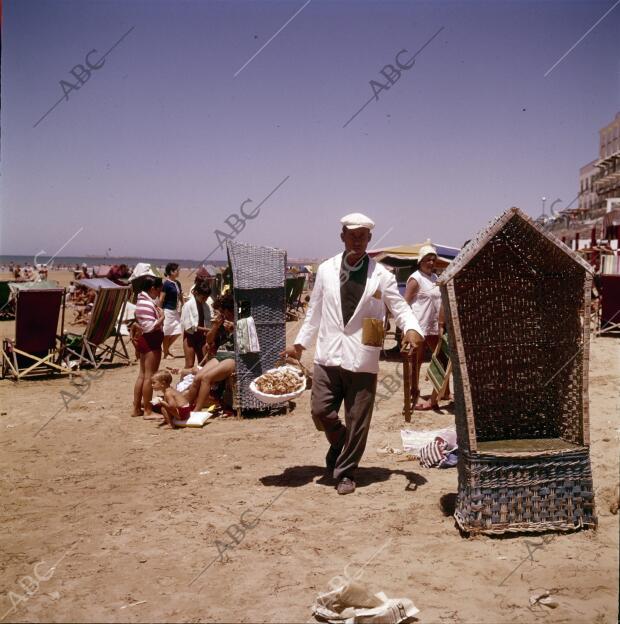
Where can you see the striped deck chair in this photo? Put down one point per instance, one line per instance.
(104, 323)
(440, 367)
(35, 348)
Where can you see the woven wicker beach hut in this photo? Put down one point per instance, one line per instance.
(517, 303)
(259, 291)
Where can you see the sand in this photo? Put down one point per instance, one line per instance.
(129, 515)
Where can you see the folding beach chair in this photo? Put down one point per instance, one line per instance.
(294, 291)
(610, 304)
(104, 323)
(408, 367)
(7, 307)
(34, 350)
(440, 367)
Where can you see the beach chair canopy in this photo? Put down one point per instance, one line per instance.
(516, 296)
(405, 255)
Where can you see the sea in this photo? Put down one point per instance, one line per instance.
(62, 262)
(71, 261)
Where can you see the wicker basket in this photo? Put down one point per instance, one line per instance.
(515, 299)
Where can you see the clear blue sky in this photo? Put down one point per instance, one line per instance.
(163, 142)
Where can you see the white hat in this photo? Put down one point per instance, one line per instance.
(357, 220)
(426, 250)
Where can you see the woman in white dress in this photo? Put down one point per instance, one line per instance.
(423, 295)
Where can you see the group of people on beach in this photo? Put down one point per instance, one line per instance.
(206, 325)
(350, 297)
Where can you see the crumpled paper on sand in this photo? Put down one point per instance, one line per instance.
(413, 440)
(354, 603)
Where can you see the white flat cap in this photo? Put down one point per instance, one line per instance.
(357, 220)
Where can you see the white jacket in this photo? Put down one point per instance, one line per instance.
(189, 315)
(340, 345)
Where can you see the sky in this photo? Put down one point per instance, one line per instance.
(153, 150)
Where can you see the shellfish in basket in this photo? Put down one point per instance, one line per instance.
(279, 384)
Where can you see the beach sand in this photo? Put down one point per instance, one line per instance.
(129, 515)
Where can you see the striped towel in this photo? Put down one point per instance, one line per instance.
(439, 453)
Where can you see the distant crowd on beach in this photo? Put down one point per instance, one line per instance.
(39, 272)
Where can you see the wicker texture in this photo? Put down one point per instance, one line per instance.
(256, 267)
(514, 494)
(259, 291)
(515, 300)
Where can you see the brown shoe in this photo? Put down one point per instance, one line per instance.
(346, 486)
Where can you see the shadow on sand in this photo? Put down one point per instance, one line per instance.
(297, 476)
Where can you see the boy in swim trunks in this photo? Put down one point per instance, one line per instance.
(175, 405)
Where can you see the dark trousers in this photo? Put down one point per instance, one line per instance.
(331, 385)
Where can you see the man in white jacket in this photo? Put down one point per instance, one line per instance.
(349, 288)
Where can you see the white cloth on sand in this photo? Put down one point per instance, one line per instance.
(413, 440)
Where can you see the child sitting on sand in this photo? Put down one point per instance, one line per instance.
(175, 405)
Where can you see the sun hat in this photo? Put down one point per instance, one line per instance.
(426, 250)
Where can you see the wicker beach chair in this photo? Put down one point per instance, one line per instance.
(517, 303)
(35, 350)
(258, 275)
(105, 321)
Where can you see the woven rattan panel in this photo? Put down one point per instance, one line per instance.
(499, 494)
(266, 306)
(256, 267)
(259, 291)
(520, 302)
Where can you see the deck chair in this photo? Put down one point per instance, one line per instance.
(440, 367)
(105, 322)
(35, 348)
(294, 290)
(7, 305)
(408, 400)
(609, 322)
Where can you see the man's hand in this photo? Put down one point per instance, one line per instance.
(413, 338)
(295, 352)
